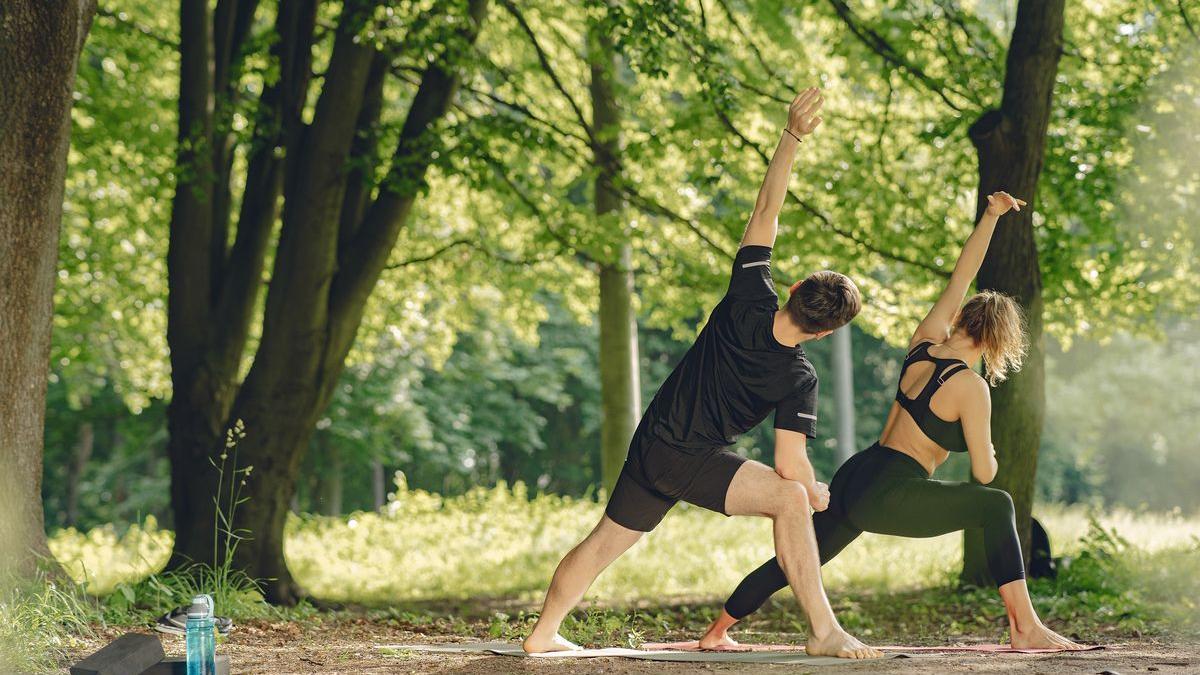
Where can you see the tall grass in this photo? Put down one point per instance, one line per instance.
(39, 621)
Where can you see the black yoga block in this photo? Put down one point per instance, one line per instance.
(177, 665)
(130, 654)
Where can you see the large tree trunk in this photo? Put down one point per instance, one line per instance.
(39, 51)
(1010, 143)
(211, 295)
(620, 387)
(334, 243)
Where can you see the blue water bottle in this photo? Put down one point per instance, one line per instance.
(201, 637)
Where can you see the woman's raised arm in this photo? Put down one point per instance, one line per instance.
(936, 325)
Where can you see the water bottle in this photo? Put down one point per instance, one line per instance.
(201, 637)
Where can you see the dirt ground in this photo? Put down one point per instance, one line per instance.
(348, 646)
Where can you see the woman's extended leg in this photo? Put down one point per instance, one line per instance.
(920, 507)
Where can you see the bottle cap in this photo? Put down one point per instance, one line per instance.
(201, 608)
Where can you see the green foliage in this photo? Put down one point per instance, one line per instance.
(110, 295)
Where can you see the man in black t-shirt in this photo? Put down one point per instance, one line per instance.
(746, 363)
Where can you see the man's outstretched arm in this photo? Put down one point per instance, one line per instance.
(802, 120)
(791, 462)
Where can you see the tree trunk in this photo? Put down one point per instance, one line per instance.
(332, 477)
(620, 388)
(619, 383)
(211, 296)
(204, 362)
(843, 390)
(39, 51)
(1010, 144)
(80, 455)
(378, 485)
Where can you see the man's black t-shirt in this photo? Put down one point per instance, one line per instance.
(736, 372)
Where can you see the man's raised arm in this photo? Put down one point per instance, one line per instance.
(802, 120)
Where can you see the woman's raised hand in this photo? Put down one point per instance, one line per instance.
(802, 113)
(1000, 202)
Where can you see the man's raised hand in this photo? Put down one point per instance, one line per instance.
(1000, 202)
(802, 113)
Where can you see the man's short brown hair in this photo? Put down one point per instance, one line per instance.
(824, 301)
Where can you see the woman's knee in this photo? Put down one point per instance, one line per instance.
(998, 505)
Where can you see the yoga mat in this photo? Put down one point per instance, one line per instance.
(694, 646)
(989, 649)
(509, 649)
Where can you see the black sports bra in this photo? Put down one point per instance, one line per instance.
(949, 435)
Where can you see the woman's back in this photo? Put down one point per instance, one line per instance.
(925, 421)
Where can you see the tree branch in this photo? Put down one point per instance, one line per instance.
(471, 243)
(758, 55)
(534, 208)
(1187, 21)
(879, 45)
(544, 60)
(648, 205)
(360, 262)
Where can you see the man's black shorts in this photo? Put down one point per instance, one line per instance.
(657, 475)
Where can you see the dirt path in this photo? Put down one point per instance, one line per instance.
(348, 646)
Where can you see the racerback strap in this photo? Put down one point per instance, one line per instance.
(921, 353)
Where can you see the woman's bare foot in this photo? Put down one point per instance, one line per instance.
(537, 645)
(717, 638)
(1040, 637)
(717, 635)
(841, 644)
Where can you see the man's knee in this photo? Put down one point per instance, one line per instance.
(611, 538)
(790, 497)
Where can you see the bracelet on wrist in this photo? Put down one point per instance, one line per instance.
(789, 133)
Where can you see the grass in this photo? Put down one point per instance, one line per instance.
(459, 565)
(39, 621)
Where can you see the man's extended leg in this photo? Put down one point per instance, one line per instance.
(574, 575)
(833, 533)
(757, 490)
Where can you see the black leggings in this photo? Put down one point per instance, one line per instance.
(887, 492)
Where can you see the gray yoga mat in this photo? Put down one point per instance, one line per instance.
(510, 649)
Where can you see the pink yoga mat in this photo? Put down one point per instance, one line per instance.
(694, 646)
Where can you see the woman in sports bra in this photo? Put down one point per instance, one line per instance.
(941, 406)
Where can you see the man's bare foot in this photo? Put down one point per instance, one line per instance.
(717, 638)
(1040, 637)
(841, 644)
(535, 644)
